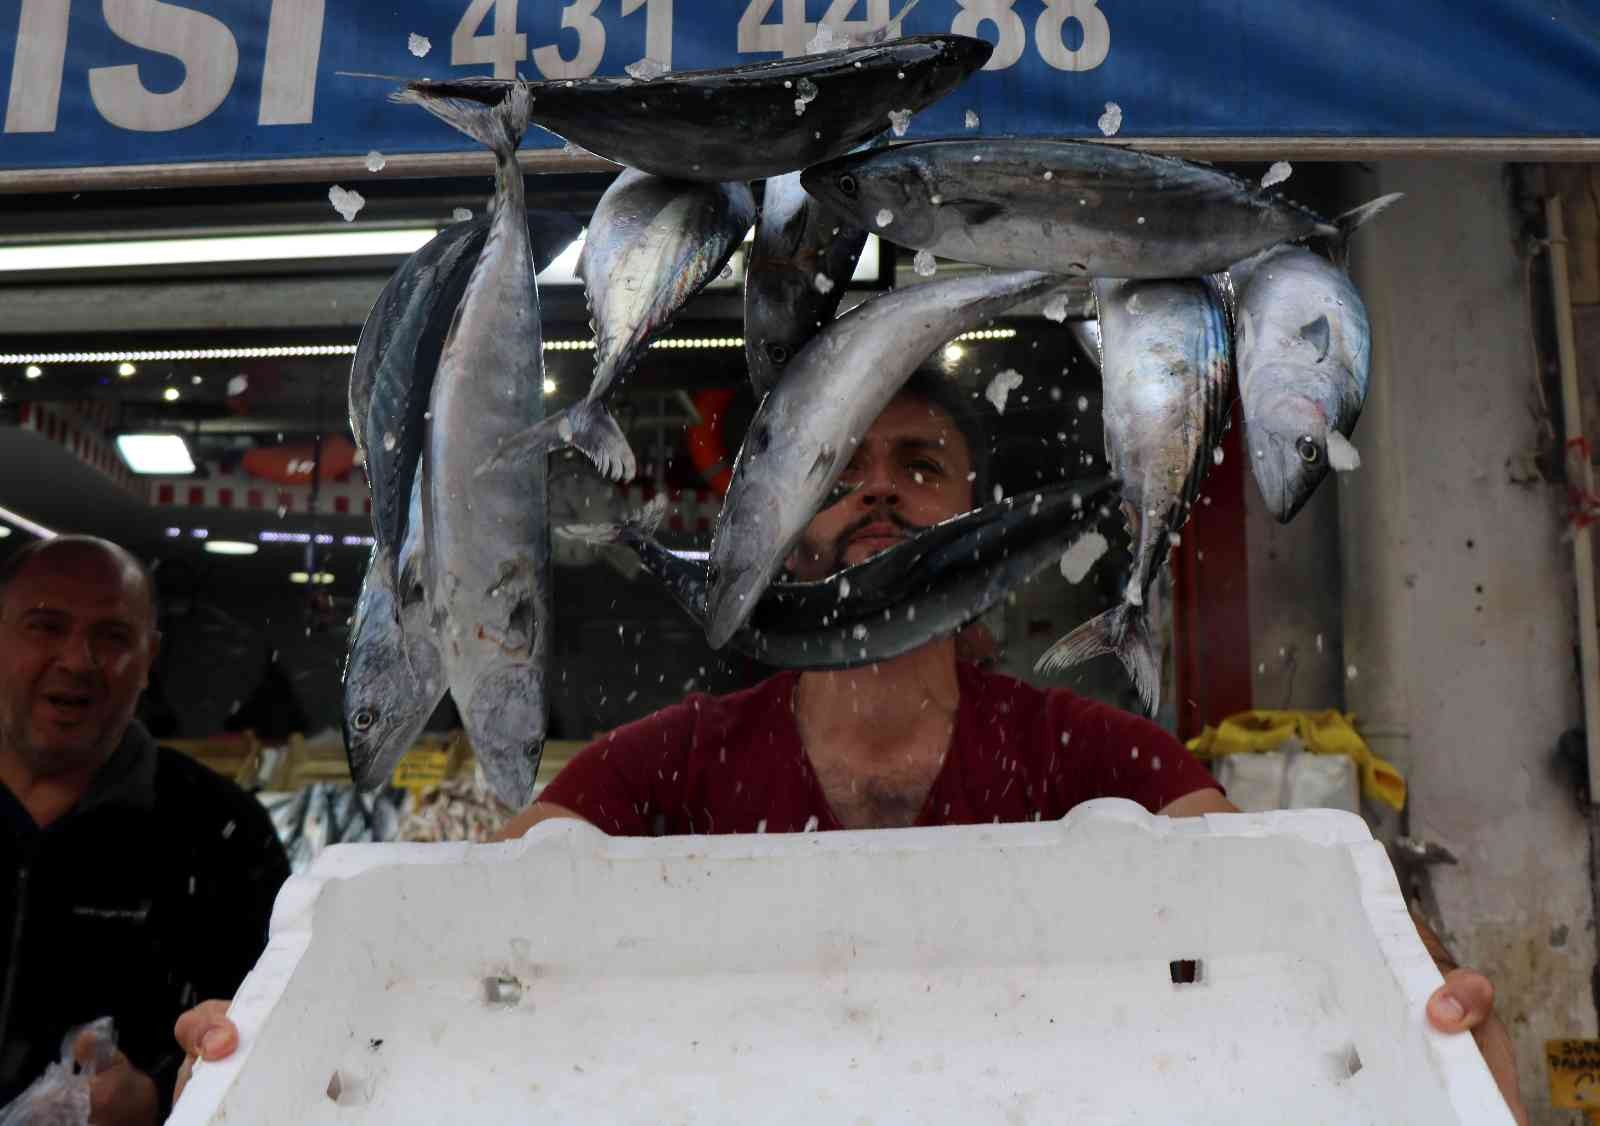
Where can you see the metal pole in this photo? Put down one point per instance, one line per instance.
(1580, 474)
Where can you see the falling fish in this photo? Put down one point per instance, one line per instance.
(740, 123)
(919, 590)
(797, 240)
(487, 546)
(393, 675)
(652, 245)
(1070, 207)
(391, 376)
(1168, 363)
(802, 435)
(1304, 351)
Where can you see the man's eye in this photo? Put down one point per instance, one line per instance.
(924, 465)
(43, 627)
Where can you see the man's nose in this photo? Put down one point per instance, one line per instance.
(879, 486)
(77, 653)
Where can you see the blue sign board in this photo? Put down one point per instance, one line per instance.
(98, 83)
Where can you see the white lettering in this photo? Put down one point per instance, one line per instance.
(788, 37)
(657, 28)
(37, 65)
(505, 48)
(579, 16)
(202, 43)
(289, 78)
(1050, 32)
(1013, 35)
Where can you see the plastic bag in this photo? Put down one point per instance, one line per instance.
(60, 1097)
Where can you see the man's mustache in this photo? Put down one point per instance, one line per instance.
(883, 516)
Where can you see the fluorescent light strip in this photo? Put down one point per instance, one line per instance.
(235, 248)
(27, 525)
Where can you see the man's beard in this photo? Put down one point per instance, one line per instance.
(889, 516)
(50, 761)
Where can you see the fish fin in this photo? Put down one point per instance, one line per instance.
(976, 212)
(498, 125)
(644, 522)
(536, 441)
(1123, 630)
(1319, 335)
(1351, 221)
(591, 429)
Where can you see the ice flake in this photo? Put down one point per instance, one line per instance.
(1111, 121)
(859, 632)
(346, 203)
(1342, 456)
(807, 93)
(1001, 386)
(1277, 174)
(826, 39)
(419, 45)
(972, 120)
(884, 217)
(1350, 673)
(1083, 403)
(822, 283)
(461, 214)
(999, 494)
(844, 588)
(1056, 308)
(1216, 456)
(238, 385)
(646, 69)
(389, 441)
(1084, 553)
(811, 824)
(1319, 643)
(924, 264)
(900, 121)
(375, 161)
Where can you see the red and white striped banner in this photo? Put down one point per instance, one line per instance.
(80, 429)
(242, 493)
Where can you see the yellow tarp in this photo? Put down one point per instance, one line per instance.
(1323, 733)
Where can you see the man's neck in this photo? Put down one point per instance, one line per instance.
(879, 707)
(47, 797)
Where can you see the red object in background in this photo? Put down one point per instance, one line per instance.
(1211, 596)
(292, 463)
(708, 449)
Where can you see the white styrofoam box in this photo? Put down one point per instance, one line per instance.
(1005, 973)
(1290, 779)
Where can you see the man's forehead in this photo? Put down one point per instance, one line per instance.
(87, 585)
(912, 417)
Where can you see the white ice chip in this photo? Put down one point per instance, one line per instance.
(375, 161)
(646, 69)
(822, 283)
(346, 203)
(1111, 121)
(884, 217)
(1277, 174)
(1084, 553)
(923, 263)
(1342, 456)
(1001, 386)
(1055, 309)
(461, 214)
(900, 119)
(419, 44)
(808, 93)
(972, 120)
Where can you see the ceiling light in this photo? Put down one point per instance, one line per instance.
(260, 352)
(27, 525)
(166, 454)
(170, 394)
(34, 371)
(321, 578)
(126, 369)
(4, 531)
(299, 577)
(953, 352)
(549, 386)
(63, 256)
(200, 533)
(230, 547)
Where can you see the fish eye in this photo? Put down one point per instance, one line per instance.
(1310, 453)
(364, 719)
(778, 354)
(847, 185)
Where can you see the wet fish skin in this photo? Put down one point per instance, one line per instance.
(797, 240)
(394, 674)
(1166, 378)
(487, 550)
(801, 437)
(1103, 211)
(740, 123)
(392, 373)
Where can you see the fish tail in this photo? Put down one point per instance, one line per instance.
(592, 430)
(1123, 630)
(645, 522)
(1353, 220)
(497, 124)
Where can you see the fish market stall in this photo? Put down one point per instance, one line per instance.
(594, 411)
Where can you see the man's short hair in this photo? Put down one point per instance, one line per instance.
(14, 564)
(949, 396)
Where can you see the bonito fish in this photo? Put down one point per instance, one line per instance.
(1304, 351)
(802, 260)
(1166, 375)
(803, 434)
(487, 544)
(746, 122)
(1070, 207)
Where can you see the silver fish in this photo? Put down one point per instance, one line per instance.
(802, 260)
(1304, 351)
(394, 674)
(1072, 207)
(1087, 333)
(802, 435)
(652, 245)
(1168, 365)
(487, 546)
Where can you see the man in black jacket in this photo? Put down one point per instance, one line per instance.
(133, 881)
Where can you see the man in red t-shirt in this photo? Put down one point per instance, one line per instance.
(924, 739)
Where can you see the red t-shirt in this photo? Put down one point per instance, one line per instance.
(735, 763)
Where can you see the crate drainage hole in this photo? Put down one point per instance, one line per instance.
(1184, 971)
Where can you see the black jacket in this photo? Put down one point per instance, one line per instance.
(153, 893)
